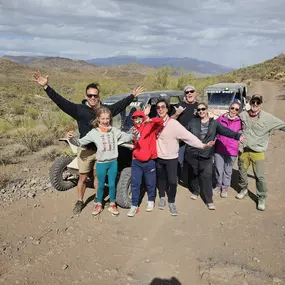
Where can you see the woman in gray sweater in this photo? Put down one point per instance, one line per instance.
(106, 138)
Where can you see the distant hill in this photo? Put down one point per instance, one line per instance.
(186, 63)
(65, 64)
(270, 69)
(49, 62)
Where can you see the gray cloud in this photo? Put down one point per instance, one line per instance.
(231, 32)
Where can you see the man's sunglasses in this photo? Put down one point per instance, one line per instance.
(190, 91)
(201, 109)
(257, 102)
(160, 107)
(137, 117)
(236, 109)
(92, 95)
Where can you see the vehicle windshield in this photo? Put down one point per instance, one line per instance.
(220, 98)
(123, 120)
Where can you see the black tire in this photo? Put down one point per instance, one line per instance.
(57, 171)
(124, 196)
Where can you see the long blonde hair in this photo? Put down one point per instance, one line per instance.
(95, 123)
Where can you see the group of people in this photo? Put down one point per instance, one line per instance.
(189, 137)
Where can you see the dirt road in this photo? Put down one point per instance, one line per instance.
(42, 243)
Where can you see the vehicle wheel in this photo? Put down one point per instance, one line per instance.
(124, 194)
(61, 179)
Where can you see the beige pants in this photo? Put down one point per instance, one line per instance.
(86, 160)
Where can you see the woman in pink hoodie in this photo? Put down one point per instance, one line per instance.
(226, 150)
(167, 151)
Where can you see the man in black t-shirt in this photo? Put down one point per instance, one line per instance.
(184, 112)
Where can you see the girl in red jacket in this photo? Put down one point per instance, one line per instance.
(144, 155)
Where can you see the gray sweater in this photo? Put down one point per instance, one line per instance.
(106, 142)
(257, 132)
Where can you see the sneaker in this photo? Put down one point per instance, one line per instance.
(261, 204)
(150, 206)
(79, 205)
(242, 194)
(133, 211)
(113, 209)
(224, 193)
(211, 206)
(162, 203)
(217, 191)
(172, 209)
(97, 209)
(193, 196)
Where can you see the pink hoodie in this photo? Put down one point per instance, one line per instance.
(224, 145)
(167, 142)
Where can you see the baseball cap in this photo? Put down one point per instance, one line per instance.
(256, 96)
(189, 87)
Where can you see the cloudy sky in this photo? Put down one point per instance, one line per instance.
(229, 32)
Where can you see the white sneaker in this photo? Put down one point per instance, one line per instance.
(242, 194)
(193, 196)
(211, 206)
(133, 211)
(150, 206)
(261, 204)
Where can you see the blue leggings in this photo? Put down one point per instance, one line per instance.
(103, 169)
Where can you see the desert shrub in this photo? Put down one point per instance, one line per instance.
(18, 109)
(27, 99)
(35, 138)
(184, 79)
(4, 176)
(25, 122)
(32, 113)
(10, 153)
(56, 121)
(5, 126)
(158, 80)
(50, 153)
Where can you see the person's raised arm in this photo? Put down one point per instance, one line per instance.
(88, 138)
(123, 137)
(277, 124)
(119, 106)
(65, 105)
(221, 130)
(178, 111)
(184, 135)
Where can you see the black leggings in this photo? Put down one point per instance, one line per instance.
(166, 171)
(200, 176)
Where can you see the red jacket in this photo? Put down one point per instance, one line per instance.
(145, 145)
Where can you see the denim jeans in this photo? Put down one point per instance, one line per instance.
(140, 169)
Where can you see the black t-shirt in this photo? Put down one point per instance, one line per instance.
(187, 114)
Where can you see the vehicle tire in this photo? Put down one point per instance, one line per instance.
(124, 195)
(58, 171)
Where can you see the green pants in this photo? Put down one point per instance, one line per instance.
(257, 160)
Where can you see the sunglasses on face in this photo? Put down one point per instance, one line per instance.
(92, 95)
(190, 91)
(201, 109)
(137, 117)
(160, 107)
(255, 102)
(236, 109)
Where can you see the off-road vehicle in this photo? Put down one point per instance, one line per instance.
(64, 171)
(220, 96)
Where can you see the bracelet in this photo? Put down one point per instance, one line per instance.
(45, 86)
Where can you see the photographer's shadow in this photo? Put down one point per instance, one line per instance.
(171, 281)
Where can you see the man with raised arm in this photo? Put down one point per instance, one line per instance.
(257, 125)
(84, 114)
